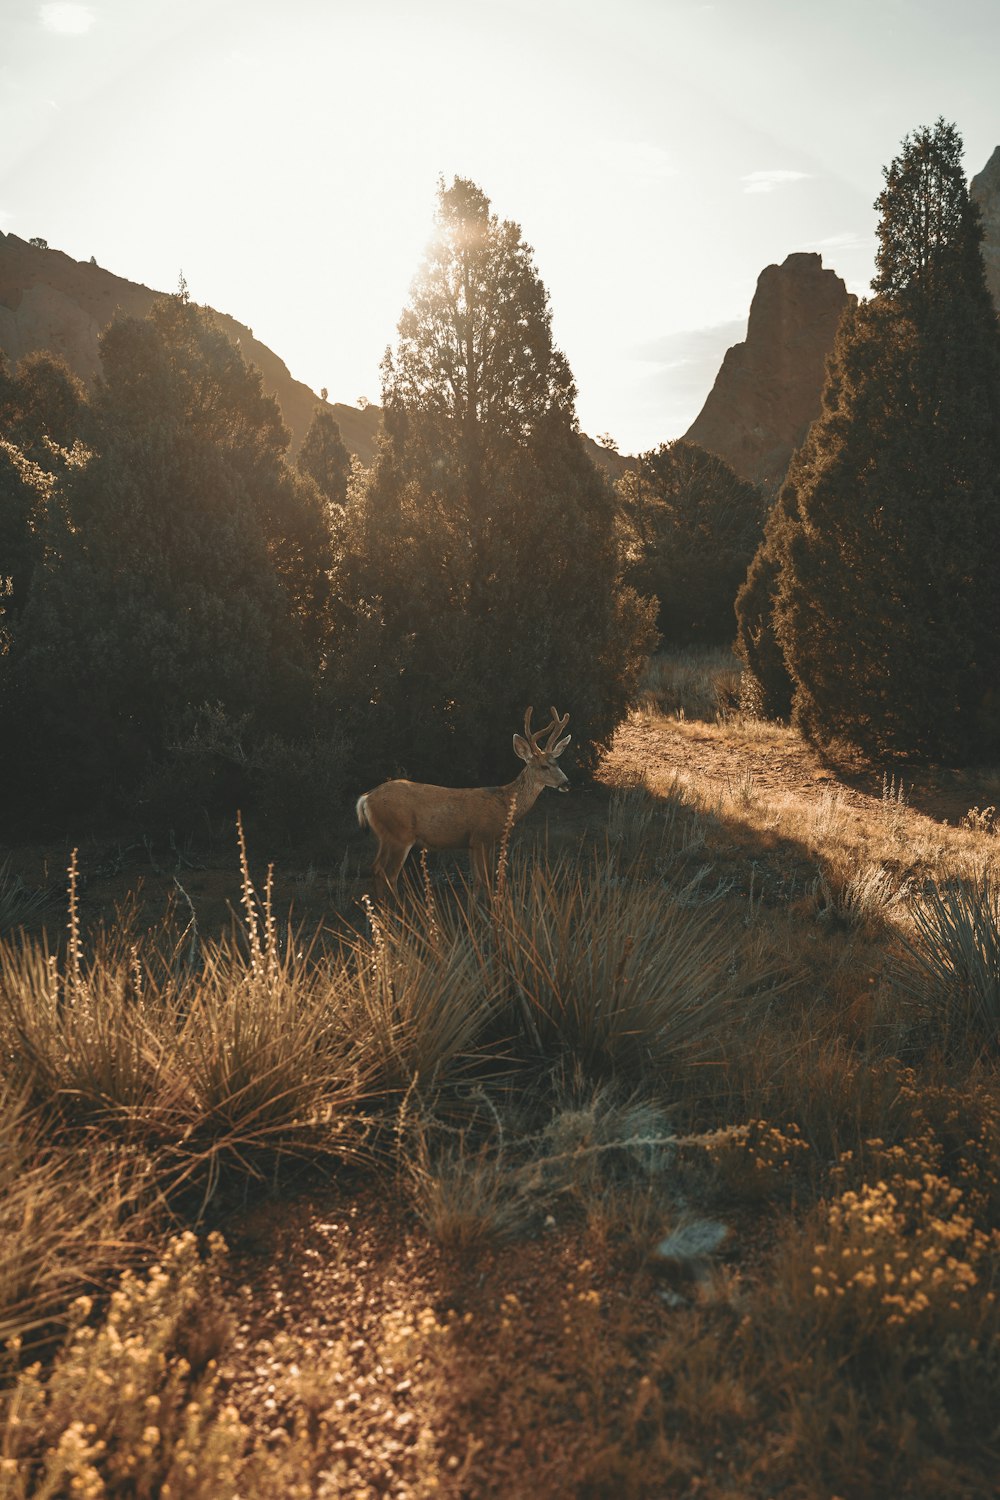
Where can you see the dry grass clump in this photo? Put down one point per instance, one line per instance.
(418, 991)
(651, 834)
(955, 958)
(68, 1220)
(620, 977)
(19, 903)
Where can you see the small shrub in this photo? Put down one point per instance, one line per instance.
(865, 900)
(981, 820)
(130, 1405)
(756, 1162)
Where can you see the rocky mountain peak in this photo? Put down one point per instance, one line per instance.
(985, 189)
(768, 390)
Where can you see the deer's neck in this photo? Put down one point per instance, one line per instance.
(523, 792)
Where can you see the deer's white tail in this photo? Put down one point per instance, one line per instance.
(361, 808)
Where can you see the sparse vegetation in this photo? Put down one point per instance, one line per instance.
(749, 1120)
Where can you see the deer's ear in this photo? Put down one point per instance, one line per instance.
(521, 747)
(555, 754)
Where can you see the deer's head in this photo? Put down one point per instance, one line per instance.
(542, 758)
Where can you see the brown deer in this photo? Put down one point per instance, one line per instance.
(404, 813)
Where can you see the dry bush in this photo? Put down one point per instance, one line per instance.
(883, 1325)
(866, 900)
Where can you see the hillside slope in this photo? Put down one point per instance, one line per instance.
(50, 301)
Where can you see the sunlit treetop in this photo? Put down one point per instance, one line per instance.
(929, 228)
(475, 369)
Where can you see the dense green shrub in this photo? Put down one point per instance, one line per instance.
(183, 563)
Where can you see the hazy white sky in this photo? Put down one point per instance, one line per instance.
(656, 153)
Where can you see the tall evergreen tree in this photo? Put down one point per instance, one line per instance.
(887, 531)
(480, 562)
(767, 689)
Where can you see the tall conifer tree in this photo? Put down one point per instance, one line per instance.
(887, 532)
(480, 567)
(324, 458)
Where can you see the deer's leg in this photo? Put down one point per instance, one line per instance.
(480, 859)
(389, 861)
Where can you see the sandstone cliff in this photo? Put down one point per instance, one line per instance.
(767, 392)
(985, 189)
(50, 301)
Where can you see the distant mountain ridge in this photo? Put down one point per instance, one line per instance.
(767, 391)
(50, 301)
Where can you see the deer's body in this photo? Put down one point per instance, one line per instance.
(404, 813)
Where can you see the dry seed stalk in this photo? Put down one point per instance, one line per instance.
(508, 828)
(248, 900)
(73, 952)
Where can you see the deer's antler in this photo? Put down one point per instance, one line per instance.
(553, 729)
(557, 726)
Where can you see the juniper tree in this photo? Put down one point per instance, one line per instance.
(887, 532)
(178, 565)
(480, 566)
(695, 525)
(766, 688)
(324, 458)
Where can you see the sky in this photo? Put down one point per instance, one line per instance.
(657, 154)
